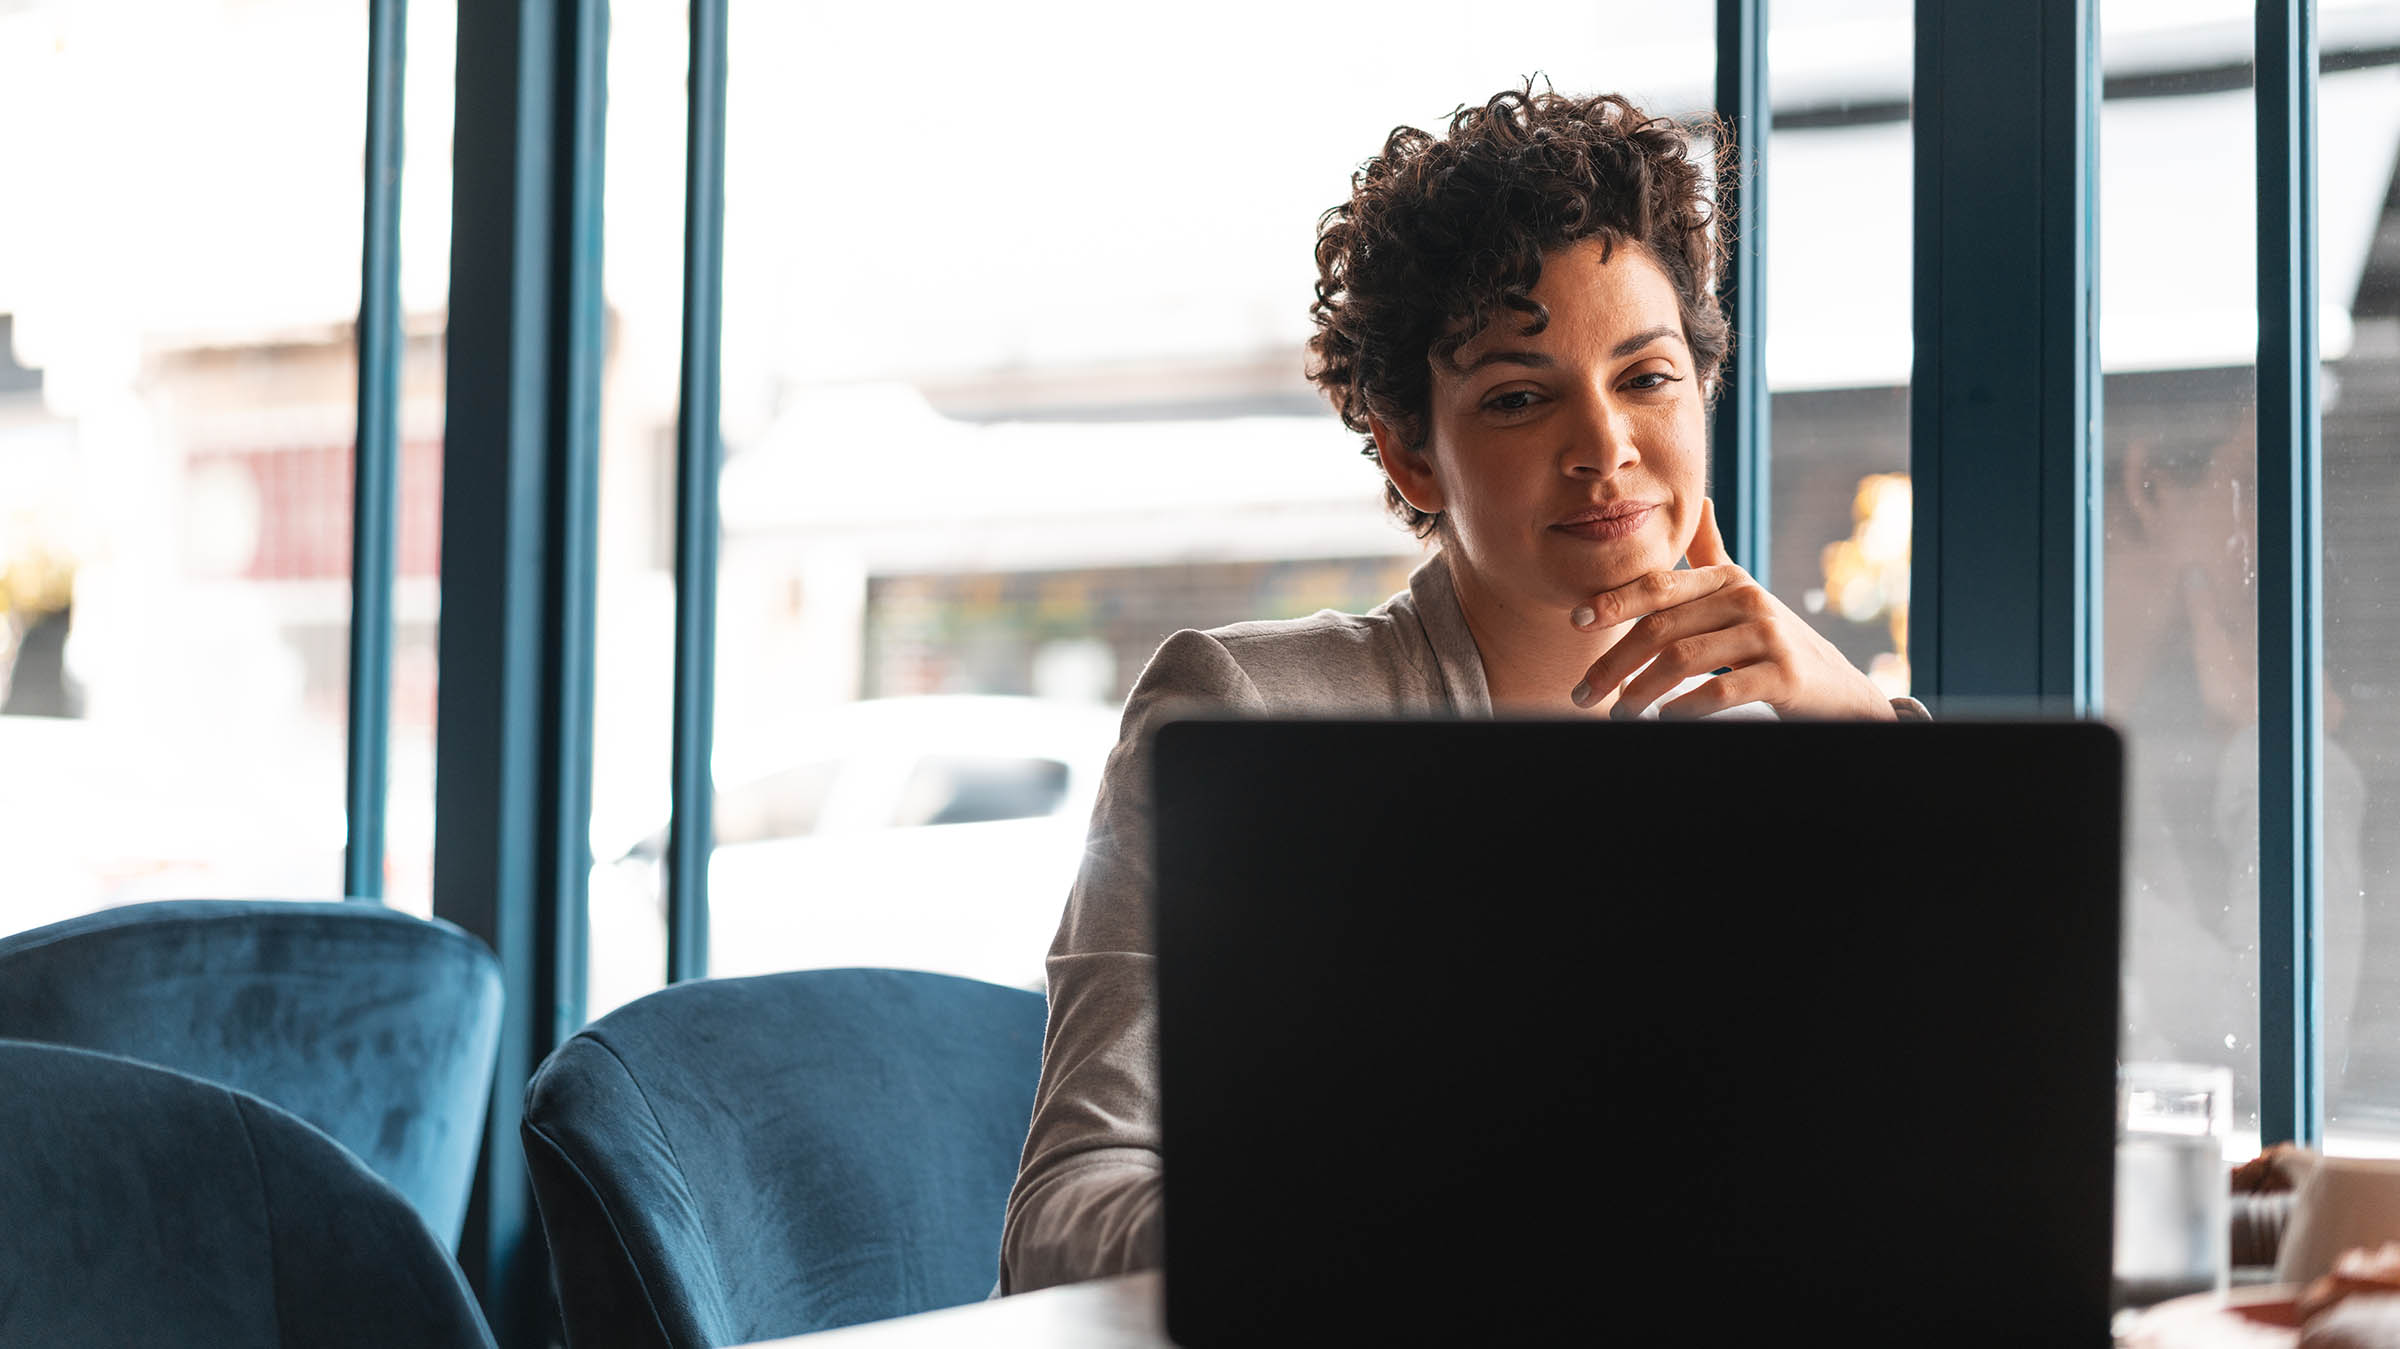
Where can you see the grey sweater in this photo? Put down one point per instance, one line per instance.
(1086, 1201)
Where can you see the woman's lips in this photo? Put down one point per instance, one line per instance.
(1597, 529)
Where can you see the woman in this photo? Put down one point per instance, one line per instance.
(1520, 318)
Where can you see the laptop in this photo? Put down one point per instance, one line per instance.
(1504, 1031)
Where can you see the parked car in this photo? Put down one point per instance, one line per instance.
(936, 833)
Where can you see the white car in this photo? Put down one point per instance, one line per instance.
(935, 833)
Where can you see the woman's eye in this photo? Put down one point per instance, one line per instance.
(1516, 400)
(1656, 379)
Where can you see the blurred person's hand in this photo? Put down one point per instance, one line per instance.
(1716, 616)
(2277, 1170)
(2199, 535)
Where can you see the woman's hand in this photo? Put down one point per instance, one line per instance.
(1711, 617)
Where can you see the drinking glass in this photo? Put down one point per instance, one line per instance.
(2173, 1232)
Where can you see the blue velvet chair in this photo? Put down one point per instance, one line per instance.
(140, 1206)
(737, 1159)
(377, 1027)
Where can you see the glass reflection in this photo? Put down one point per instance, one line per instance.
(2178, 520)
(2358, 257)
(1840, 185)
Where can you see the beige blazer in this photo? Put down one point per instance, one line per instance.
(1086, 1200)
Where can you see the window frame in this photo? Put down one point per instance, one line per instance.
(375, 497)
(2291, 589)
(1740, 423)
(699, 454)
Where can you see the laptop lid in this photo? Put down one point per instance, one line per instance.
(1504, 1029)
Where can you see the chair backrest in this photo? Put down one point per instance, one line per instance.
(143, 1206)
(377, 1027)
(738, 1159)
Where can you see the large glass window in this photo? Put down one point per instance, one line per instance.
(179, 273)
(424, 304)
(1839, 222)
(633, 680)
(2179, 511)
(1013, 389)
(2358, 259)
(2178, 343)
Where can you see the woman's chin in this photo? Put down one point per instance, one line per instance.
(1602, 574)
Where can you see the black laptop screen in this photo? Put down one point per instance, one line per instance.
(1484, 1028)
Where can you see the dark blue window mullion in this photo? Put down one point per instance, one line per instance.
(520, 455)
(698, 452)
(374, 503)
(1738, 449)
(2291, 654)
(577, 352)
(2004, 397)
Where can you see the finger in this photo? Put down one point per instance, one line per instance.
(1648, 636)
(1748, 685)
(1681, 660)
(1651, 592)
(1708, 546)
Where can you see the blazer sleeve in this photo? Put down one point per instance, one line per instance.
(1087, 1197)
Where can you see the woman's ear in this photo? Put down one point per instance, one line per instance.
(1410, 470)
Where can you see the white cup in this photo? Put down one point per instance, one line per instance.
(2173, 1220)
(2344, 1202)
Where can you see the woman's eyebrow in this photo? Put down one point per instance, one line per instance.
(1537, 359)
(1544, 361)
(1645, 337)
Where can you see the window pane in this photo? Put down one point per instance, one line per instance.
(424, 308)
(2358, 259)
(1013, 390)
(179, 276)
(633, 683)
(2178, 342)
(1840, 184)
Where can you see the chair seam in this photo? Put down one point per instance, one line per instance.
(649, 1299)
(266, 1210)
(644, 1093)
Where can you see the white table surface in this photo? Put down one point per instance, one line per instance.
(1125, 1312)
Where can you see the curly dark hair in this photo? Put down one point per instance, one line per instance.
(1440, 232)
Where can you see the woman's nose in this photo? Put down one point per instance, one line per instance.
(1601, 440)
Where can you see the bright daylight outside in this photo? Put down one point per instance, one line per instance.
(1013, 389)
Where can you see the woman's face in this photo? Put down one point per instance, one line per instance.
(1572, 461)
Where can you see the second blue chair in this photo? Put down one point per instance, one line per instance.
(377, 1027)
(737, 1159)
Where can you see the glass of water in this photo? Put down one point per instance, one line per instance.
(2173, 1232)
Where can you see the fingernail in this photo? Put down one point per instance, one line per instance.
(1582, 694)
(1582, 617)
